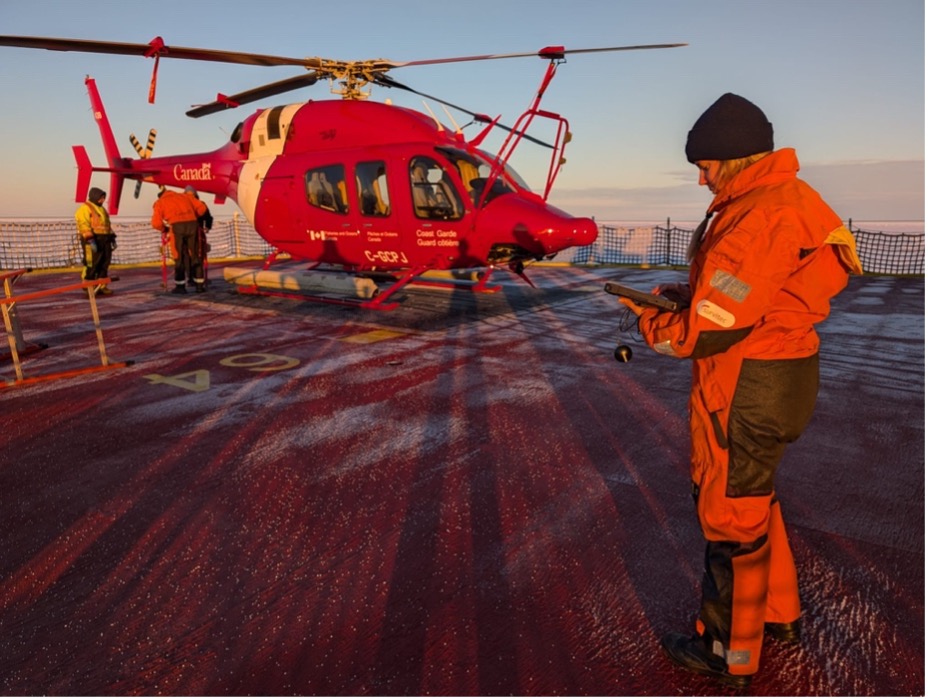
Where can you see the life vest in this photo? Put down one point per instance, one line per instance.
(92, 220)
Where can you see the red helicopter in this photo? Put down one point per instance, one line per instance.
(364, 187)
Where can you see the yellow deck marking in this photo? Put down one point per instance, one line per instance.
(372, 336)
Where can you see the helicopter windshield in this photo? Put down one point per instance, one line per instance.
(475, 170)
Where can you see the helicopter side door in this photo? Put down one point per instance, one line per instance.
(376, 211)
(324, 213)
(437, 217)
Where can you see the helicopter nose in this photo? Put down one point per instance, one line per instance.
(570, 232)
(585, 231)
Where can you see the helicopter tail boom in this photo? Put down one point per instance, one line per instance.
(118, 166)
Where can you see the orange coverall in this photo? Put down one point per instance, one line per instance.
(175, 207)
(762, 276)
(177, 212)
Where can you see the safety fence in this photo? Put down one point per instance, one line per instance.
(53, 244)
(880, 252)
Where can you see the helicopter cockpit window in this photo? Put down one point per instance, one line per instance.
(433, 194)
(373, 195)
(236, 138)
(475, 172)
(325, 188)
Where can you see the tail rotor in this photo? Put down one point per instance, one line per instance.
(144, 153)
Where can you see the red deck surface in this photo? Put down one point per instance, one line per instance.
(466, 495)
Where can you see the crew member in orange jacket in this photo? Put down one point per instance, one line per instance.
(761, 276)
(179, 212)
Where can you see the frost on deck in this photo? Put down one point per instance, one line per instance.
(467, 495)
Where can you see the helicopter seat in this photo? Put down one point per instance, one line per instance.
(423, 195)
(369, 204)
(424, 199)
(341, 196)
(446, 202)
(370, 201)
(314, 189)
(382, 208)
(321, 192)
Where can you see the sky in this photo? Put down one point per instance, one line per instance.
(842, 82)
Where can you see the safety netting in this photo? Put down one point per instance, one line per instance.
(880, 252)
(53, 244)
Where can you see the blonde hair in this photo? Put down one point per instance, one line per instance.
(730, 168)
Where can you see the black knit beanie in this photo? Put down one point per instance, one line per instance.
(95, 195)
(731, 128)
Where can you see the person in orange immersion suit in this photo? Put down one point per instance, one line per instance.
(761, 276)
(179, 213)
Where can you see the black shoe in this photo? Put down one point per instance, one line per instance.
(179, 289)
(693, 654)
(114, 278)
(201, 288)
(789, 632)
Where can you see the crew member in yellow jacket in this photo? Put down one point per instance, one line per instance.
(96, 237)
(765, 264)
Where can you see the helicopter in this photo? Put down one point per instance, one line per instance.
(353, 184)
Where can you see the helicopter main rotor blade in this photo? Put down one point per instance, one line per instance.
(387, 81)
(548, 52)
(158, 47)
(253, 95)
(153, 48)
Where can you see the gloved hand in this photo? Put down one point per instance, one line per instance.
(113, 242)
(681, 293)
(92, 244)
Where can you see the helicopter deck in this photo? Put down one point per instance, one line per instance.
(466, 495)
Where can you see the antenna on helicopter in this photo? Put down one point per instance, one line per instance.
(438, 124)
(457, 129)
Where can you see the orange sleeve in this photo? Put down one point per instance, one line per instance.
(198, 206)
(157, 218)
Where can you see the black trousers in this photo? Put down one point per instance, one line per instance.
(189, 260)
(97, 264)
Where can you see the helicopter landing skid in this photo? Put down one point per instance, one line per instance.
(361, 289)
(478, 285)
(376, 303)
(321, 288)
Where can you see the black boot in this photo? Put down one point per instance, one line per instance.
(789, 632)
(694, 654)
